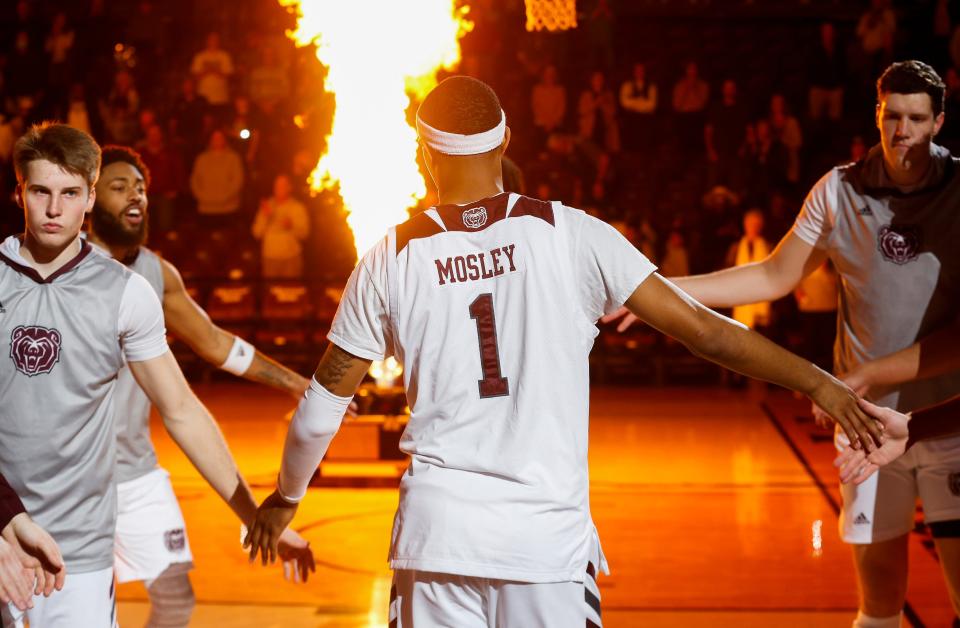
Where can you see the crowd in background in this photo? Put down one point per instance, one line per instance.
(694, 126)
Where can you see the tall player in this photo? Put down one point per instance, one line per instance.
(490, 300)
(151, 543)
(890, 225)
(69, 321)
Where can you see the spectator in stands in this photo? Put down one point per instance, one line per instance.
(212, 68)
(146, 119)
(269, 80)
(58, 44)
(78, 114)
(217, 178)
(26, 72)
(243, 130)
(548, 100)
(676, 259)
(597, 111)
(690, 97)
(638, 100)
(723, 135)
(827, 76)
(187, 114)
(786, 129)
(119, 110)
(876, 29)
(690, 93)
(167, 177)
(752, 247)
(765, 161)
(281, 224)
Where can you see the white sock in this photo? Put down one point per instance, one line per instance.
(865, 621)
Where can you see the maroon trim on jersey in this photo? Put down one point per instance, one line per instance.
(527, 206)
(10, 504)
(472, 217)
(32, 273)
(420, 226)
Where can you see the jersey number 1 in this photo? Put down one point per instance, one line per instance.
(493, 383)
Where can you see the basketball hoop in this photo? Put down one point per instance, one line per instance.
(551, 15)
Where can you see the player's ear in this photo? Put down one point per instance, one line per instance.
(91, 199)
(938, 123)
(876, 116)
(506, 140)
(428, 160)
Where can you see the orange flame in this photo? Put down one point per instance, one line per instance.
(377, 55)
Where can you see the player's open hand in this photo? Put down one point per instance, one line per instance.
(16, 580)
(628, 319)
(296, 555)
(273, 517)
(841, 403)
(39, 552)
(855, 465)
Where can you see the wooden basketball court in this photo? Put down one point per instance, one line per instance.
(708, 503)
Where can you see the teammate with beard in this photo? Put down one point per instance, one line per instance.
(890, 225)
(151, 542)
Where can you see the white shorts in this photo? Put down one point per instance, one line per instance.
(883, 507)
(87, 599)
(151, 534)
(421, 598)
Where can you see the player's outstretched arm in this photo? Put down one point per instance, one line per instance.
(767, 280)
(724, 341)
(193, 429)
(935, 354)
(314, 424)
(187, 320)
(38, 551)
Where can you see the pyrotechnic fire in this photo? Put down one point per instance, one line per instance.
(376, 54)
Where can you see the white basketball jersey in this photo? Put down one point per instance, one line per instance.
(492, 309)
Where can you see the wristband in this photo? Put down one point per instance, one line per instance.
(240, 357)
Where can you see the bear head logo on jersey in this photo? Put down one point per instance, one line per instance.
(35, 350)
(899, 243)
(175, 540)
(475, 217)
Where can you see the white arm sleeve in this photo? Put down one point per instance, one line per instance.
(314, 424)
(815, 221)
(609, 267)
(140, 323)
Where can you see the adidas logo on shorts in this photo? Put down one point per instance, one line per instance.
(861, 520)
(865, 211)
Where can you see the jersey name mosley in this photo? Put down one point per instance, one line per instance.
(475, 266)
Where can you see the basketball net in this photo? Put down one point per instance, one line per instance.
(551, 15)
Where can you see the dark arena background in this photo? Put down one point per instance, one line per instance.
(695, 127)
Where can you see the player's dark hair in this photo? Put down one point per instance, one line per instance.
(463, 105)
(913, 77)
(112, 153)
(69, 148)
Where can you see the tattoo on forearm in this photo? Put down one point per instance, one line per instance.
(265, 371)
(334, 366)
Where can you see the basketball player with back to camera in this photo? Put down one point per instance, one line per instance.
(71, 320)
(151, 543)
(490, 300)
(890, 226)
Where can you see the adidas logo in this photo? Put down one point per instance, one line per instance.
(3, 310)
(865, 211)
(861, 520)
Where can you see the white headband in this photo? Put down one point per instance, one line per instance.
(457, 144)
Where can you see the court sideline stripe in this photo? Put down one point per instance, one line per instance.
(908, 611)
